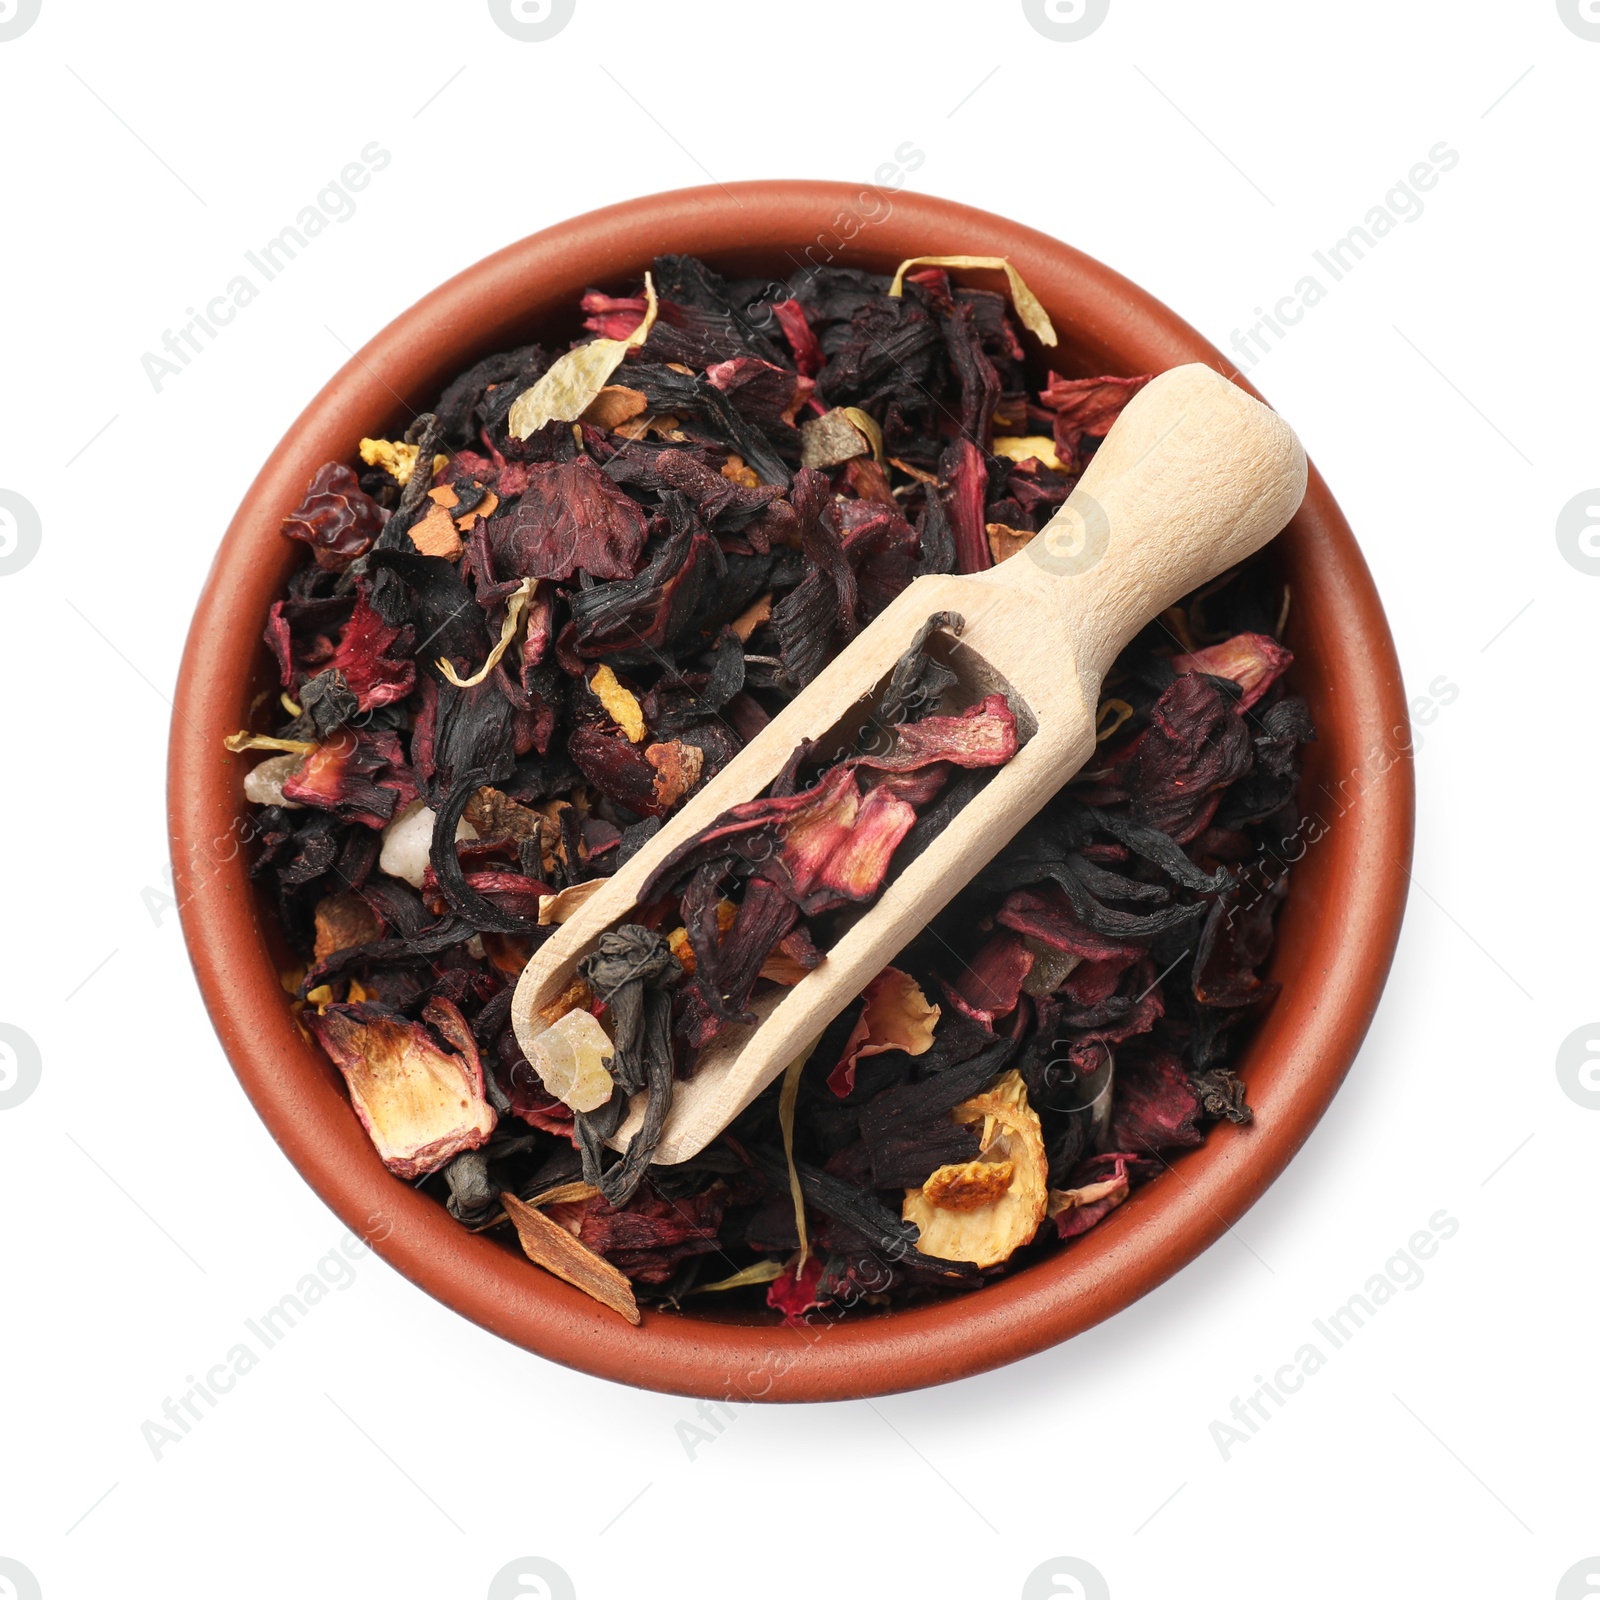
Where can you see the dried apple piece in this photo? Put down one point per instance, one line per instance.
(966, 1214)
(421, 1105)
(547, 1244)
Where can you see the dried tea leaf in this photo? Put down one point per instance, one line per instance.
(555, 908)
(574, 382)
(515, 606)
(621, 706)
(572, 1059)
(1030, 313)
(547, 1244)
(1038, 447)
(988, 1231)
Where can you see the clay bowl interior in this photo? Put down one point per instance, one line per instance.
(1336, 931)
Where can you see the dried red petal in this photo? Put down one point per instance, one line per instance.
(1085, 408)
(360, 777)
(650, 1236)
(1112, 1168)
(375, 677)
(984, 735)
(1254, 661)
(619, 769)
(1155, 1107)
(808, 356)
(991, 986)
(570, 518)
(964, 486)
(795, 1293)
(613, 316)
(895, 1015)
(1194, 748)
(840, 848)
(1046, 913)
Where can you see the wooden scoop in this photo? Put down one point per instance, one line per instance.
(1193, 477)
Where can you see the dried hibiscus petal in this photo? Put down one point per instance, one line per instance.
(1254, 661)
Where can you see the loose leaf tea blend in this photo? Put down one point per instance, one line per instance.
(530, 629)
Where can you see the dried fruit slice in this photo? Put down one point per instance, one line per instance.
(420, 1104)
(549, 1245)
(965, 1214)
(571, 1059)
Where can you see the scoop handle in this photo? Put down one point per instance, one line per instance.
(1193, 477)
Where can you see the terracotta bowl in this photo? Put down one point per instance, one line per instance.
(1336, 933)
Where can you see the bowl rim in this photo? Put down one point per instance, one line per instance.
(1345, 907)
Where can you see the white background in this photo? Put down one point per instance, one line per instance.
(1444, 387)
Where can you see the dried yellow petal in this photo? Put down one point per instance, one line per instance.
(396, 458)
(1038, 447)
(1030, 313)
(868, 424)
(621, 706)
(570, 1058)
(245, 740)
(756, 1272)
(574, 382)
(517, 604)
